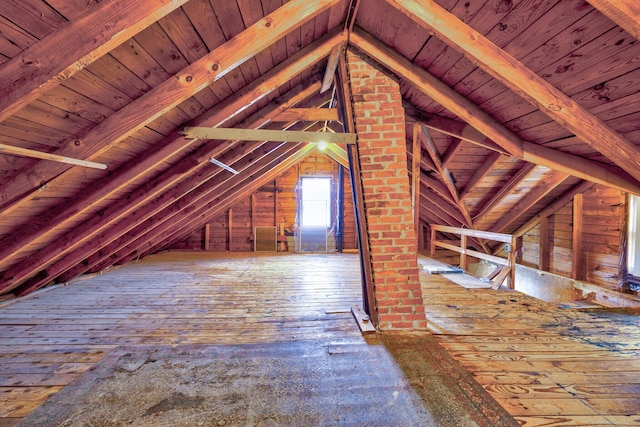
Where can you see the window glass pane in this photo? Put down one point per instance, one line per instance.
(316, 202)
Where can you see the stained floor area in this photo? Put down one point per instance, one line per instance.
(543, 364)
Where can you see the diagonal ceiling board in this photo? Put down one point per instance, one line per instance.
(166, 96)
(138, 167)
(552, 208)
(176, 212)
(480, 174)
(625, 13)
(133, 202)
(525, 83)
(521, 174)
(484, 125)
(548, 183)
(444, 173)
(59, 55)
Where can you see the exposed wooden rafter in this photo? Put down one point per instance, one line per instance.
(62, 53)
(307, 115)
(167, 95)
(513, 74)
(625, 13)
(544, 187)
(444, 173)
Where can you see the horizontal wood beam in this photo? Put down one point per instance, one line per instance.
(308, 115)
(513, 74)
(625, 13)
(62, 53)
(18, 151)
(268, 135)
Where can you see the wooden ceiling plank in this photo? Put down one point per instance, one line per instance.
(13, 276)
(548, 184)
(516, 180)
(510, 72)
(61, 54)
(480, 174)
(571, 164)
(625, 13)
(308, 114)
(166, 96)
(268, 135)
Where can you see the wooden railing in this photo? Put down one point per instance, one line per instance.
(508, 264)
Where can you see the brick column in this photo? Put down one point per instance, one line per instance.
(382, 151)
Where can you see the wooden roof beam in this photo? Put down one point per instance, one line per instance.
(625, 13)
(502, 194)
(208, 212)
(544, 187)
(62, 53)
(268, 135)
(175, 213)
(175, 142)
(165, 96)
(570, 164)
(445, 175)
(513, 74)
(480, 174)
(20, 272)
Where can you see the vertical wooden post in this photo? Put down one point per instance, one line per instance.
(230, 229)
(577, 253)
(415, 179)
(432, 250)
(252, 209)
(544, 247)
(463, 253)
(207, 235)
(512, 261)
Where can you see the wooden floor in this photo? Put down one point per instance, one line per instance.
(544, 364)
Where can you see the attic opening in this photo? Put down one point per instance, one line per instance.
(316, 202)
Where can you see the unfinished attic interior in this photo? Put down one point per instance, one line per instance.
(319, 212)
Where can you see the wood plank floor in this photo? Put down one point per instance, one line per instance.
(50, 339)
(544, 364)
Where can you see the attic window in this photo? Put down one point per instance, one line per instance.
(633, 235)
